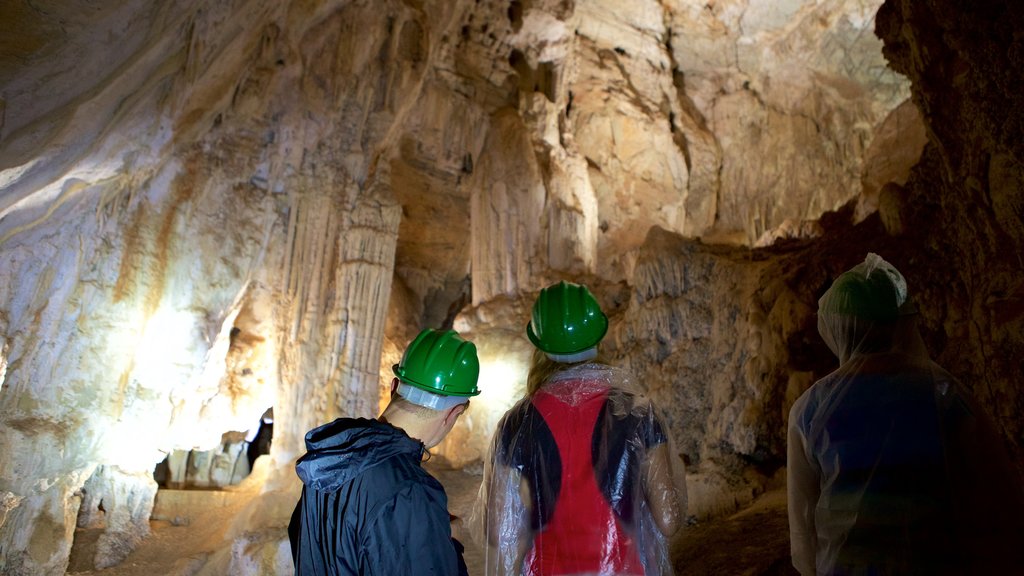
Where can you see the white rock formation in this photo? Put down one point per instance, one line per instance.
(126, 501)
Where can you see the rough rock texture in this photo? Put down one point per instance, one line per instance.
(122, 504)
(211, 208)
(224, 465)
(963, 206)
(794, 93)
(724, 340)
(211, 190)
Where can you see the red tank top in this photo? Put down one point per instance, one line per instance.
(583, 535)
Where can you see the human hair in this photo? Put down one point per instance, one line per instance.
(542, 368)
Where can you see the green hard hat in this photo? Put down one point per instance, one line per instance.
(440, 362)
(872, 297)
(566, 319)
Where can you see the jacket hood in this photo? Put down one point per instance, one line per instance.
(340, 451)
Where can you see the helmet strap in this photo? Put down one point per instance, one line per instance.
(588, 354)
(421, 397)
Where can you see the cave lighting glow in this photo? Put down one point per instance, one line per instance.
(164, 347)
(3, 366)
(132, 442)
(229, 402)
(172, 355)
(502, 382)
(504, 363)
(158, 358)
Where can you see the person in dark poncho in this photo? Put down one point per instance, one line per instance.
(581, 479)
(367, 506)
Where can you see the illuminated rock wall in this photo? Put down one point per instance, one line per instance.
(212, 233)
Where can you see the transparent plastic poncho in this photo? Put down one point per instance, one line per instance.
(581, 478)
(893, 468)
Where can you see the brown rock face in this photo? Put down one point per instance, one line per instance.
(964, 203)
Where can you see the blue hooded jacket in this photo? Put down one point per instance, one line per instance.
(368, 507)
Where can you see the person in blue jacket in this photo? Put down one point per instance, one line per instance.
(367, 506)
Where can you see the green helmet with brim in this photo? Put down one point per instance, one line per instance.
(872, 297)
(440, 362)
(566, 320)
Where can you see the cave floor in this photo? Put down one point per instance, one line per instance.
(752, 542)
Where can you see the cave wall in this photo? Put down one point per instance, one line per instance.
(208, 203)
(732, 339)
(211, 208)
(724, 337)
(962, 210)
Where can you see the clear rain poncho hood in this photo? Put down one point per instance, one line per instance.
(581, 479)
(856, 312)
(892, 467)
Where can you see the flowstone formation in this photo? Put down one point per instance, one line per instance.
(208, 209)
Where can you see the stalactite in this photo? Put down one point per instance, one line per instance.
(363, 285)
(546, 143)
(506, 210)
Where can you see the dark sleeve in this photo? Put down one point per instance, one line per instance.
(460, 550)
(639, 415)
(626, 428)
(507, 446)
(410, 534)
(295, 528)
(653, 432)
(525, 443)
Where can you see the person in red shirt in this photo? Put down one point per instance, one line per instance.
(582, 478)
